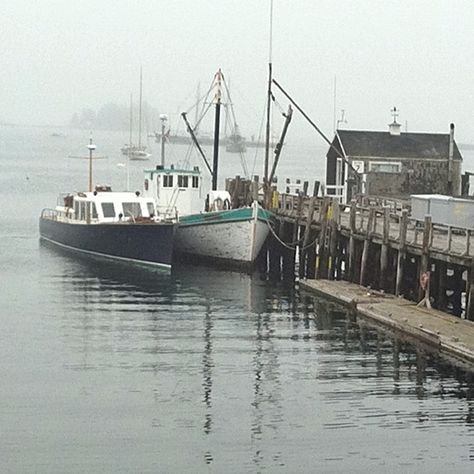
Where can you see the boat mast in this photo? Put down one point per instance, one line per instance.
(216, 129)
(140, 113)
(266, 184)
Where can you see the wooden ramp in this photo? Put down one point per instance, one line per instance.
(449, 334)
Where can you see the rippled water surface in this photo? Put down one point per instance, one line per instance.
(110, 368)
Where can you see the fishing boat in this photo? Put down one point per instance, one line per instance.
(209, 229)
(124, 226)
(235, 143)
(136, 152)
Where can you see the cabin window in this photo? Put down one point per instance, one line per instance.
(108, 209)
(132, 209)
(146, 185)
(182, 181)
(195, 181)
(76, 209)
(385, 166)
(168, 181)
(94, 211)
(151, 208)
(83, 211)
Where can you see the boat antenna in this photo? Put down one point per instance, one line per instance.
(130, 142)
(269, 98)
(217, 100)
(91, 147)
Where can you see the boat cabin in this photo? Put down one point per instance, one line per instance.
(105, 206)
(180, 191)
(174, 188)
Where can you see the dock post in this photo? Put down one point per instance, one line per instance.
(255, 188)
(304, 248)
(288, 235)
(384, 250)
(352, 225)
(401, 251)
(323, 218)
(333, 257)
(470, 296)
(365, 251)
(424, 274)
(274, 252)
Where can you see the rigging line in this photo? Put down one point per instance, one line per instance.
(209, 105)
(202, 98)
(339, 154)
(260, 137)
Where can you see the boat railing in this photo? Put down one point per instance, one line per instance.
(167, 212)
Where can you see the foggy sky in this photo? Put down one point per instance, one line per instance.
(59, 57)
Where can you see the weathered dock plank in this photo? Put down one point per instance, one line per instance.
(447, 333)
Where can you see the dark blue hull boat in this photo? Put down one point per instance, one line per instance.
(149, 243)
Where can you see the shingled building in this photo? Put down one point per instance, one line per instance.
(393, 164)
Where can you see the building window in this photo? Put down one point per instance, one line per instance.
(195, 181)
(168, 181)
(108, 209)
(182, 181)
(385, 166)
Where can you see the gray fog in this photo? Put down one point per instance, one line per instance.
(59, 57)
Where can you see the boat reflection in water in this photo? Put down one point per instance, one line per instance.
(208, 356)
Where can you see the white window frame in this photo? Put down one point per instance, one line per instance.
(397, 163)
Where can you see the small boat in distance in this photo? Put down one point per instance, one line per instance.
(115, 225)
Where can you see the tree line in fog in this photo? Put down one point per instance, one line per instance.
(113, 116)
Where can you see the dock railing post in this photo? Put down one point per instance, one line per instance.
(352, 227)
(401, 251)
(332, 258)
(384, 250)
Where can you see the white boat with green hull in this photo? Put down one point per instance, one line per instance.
(209, 229)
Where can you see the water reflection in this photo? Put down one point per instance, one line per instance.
(206, 356)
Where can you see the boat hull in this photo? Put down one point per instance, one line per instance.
(224, 237)
(148, 244)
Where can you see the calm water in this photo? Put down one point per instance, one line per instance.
(106, 368)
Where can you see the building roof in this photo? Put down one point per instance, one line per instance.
(406, 145)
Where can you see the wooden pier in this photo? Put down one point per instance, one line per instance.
(375, 244)
(444, 333)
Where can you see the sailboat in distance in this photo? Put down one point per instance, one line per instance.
(136, 152)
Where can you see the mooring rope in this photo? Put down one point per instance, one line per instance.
(292, 245)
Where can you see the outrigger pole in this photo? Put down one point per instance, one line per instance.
(195, 141)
